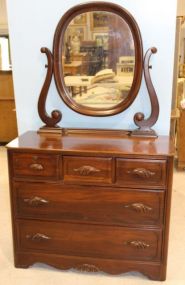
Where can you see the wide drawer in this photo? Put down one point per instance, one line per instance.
(141, 173)
(89, 204)
(36, 165)
(87, 169)
(89, 240)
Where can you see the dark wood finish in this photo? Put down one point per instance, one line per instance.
(89, 240)
(167, 217)
(57, 54)
(94, 143)
(139, 118)
(89, 264)
(77, 203)
(55, 66)
(32, 165)
(143, 173)
(56, 114)
(116, 226)
(87, 169)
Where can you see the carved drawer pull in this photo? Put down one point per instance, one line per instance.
(37, 237)
(87, 267)
(36, 166)
(141, 172)
(139, 207)
(36, 201)
(137, 244)
(86, 170)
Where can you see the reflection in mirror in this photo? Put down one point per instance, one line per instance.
(98, 59)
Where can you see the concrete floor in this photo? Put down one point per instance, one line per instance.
(41, 274)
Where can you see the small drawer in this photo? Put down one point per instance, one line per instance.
(36, 165)
(90, 240)
(88, 169)
(94, 205)
(141, 173)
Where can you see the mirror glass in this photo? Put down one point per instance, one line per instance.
(98, 59)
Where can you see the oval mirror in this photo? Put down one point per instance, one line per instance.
(98, 59)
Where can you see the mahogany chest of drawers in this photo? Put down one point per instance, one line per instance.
(92, 202)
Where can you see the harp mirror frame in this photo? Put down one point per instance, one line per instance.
(54, 66)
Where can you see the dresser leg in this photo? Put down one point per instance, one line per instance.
(163, 273)
(21, 263)
(157, 273)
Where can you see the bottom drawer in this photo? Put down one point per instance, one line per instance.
(89, 240)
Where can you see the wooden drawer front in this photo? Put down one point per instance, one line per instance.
(36, 165)
(88, 169)
(87, 204)
(90, 240)
(141, 173)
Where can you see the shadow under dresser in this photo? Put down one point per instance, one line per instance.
(89, 203)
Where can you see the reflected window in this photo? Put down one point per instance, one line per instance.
(5, 60)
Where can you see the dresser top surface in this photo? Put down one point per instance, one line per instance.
(94, 143)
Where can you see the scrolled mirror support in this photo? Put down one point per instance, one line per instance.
(56, 115)
(67, 91)
(145, 125)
